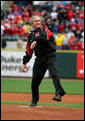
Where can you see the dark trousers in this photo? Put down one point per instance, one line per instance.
(40, 67)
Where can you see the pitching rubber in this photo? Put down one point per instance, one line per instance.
(30, 107)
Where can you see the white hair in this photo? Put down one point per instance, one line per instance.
(31, 19)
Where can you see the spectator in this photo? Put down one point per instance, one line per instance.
(2, 29)
(71, 40)
(19, 43)
(55, 27)
(67, 6)
(56, 3)
(67, 26)
(77, 46)
(26, 15)
(11, 16)
(15, 8)
(20, 21)
(22, 8)
(61, 27)
(21, 32)
(59, 16)
(43, 21)
(49, 24)
(82, 40)
(7, 23)
(37, 13)
(73, 23)
(4, 44)
(2, 34)
(2, 15)
(48, 6)
(54, 14)
(55, 35)
(26, 27)
(20, 12)
(73, 8)
(16, 12)
(14, 30)
(63, 3)
(29, 8)
(7, 30)
(70, 14)
(80, 25)
(74, 44)
(69, 34)
(59, 42)
(17, 18)
(65, 44)
(62, 15)
(78, 36)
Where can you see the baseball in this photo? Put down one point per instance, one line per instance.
(25, 69)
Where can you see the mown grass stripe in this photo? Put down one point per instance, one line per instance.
(44, 103)
(13, 85)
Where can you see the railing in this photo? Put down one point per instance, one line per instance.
(12, 37)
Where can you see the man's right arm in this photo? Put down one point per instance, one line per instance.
(27, 57)
(28, 54)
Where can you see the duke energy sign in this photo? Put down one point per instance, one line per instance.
(11, 62)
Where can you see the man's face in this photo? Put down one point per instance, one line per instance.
(36, 22)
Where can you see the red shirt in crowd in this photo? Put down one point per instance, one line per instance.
(25, 13)
(81, 15)
(73, 25)
(37, 13)
(68, 7)
(26, 18)
(76, 46)
(7, 31)
(79, 26)
(11, 17)
(7, 25)
(71, 40)
(70, 14)
(61, 28)
(15, 8)
(21, 31)
(14, 29)
(17, 18)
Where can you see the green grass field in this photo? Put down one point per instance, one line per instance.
(24, 86)
(43, 103)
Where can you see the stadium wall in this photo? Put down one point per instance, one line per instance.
(69, 64)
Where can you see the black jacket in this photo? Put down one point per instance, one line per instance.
(45, 43)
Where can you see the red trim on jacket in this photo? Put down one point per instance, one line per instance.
(29, 50)
(49, 33)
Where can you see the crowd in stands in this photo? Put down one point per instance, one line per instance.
(64, 18)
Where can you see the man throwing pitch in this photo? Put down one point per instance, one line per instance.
(41, 42)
